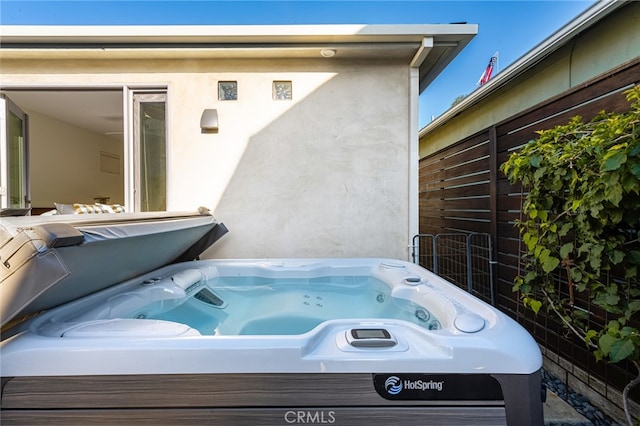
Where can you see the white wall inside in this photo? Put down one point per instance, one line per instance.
(65, 163)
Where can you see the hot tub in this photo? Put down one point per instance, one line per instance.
(274, 341)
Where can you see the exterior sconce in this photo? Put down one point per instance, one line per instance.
(209, 121)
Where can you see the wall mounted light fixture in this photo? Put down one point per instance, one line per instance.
(209, 121)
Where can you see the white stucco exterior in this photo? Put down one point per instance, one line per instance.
(329, 173)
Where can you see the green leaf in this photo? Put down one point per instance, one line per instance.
(576, 275)
(633, 256)
(543, 215)
(633, 306)
(591, 334)
(539, 173)
(564, 230)
(612, 299)
(613, 326)
(605, 343)
(535, 161)
(535, 305)
(598, 354)
(621, 349)
(565, 250)
(530, 276)
(616, 256)
(631, 272)
(630, 183)
(613, 161)
(550, 264)
(614, 194)
(628, 332)
(595, 259)
(531, 242)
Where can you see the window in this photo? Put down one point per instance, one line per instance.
(282, 90)
(227, 90)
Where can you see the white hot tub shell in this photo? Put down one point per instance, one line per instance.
(96, 359)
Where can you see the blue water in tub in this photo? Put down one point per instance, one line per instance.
(276, 306)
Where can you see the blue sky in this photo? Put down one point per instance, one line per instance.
(511, 28)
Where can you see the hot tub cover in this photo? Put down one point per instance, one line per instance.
(49, 260)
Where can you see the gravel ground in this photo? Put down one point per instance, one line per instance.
(579, 402)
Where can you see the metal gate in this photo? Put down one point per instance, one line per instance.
(463, 259)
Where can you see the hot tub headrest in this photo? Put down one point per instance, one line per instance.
(59, 234)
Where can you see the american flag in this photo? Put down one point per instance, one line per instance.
(486, 75)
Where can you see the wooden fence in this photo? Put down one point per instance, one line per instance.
(462, 190)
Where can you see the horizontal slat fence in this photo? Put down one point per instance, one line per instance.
(461, 190)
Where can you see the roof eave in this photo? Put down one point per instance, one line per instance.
(238, 41)
(230, 34)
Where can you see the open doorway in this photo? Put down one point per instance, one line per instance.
(75, 146)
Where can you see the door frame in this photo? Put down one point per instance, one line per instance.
(130, 168)
(132, 151)
(8, 106)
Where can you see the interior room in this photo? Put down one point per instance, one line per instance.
(75, 146)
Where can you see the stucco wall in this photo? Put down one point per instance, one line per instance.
(325, 174)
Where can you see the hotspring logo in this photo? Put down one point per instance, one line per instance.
(394, 385)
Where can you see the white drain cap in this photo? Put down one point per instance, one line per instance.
(469, 322)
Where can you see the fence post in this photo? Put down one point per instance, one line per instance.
(469, 264)
(434, 253)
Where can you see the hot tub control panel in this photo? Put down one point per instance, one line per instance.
(370, 338)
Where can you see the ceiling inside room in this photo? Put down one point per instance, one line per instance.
(99, 111)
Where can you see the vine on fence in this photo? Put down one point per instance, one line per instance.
(581, 220)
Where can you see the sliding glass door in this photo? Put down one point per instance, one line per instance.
(14, 159)
(150, 151)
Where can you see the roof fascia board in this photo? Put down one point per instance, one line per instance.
(232, 33)
(378, 40)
